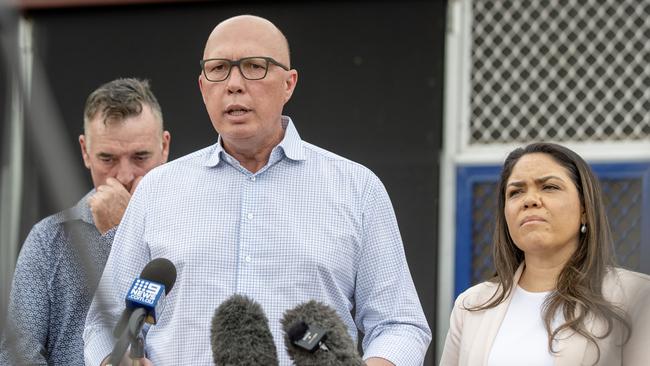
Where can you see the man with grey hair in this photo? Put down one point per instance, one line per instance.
(64, 254)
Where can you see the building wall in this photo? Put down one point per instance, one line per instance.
(370, 89)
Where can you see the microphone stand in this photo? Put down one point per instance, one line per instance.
(130, 335)
(137, 350)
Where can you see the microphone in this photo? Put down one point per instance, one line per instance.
(144, 303)
(316, 335)
(159, 271)
(149, 290)
(240, 334)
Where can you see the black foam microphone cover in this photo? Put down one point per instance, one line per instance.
(160, 270)
(240, 334)
(312, 318)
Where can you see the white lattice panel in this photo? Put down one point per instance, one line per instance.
(575, 70)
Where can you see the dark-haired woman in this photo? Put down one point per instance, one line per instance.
(556, 299)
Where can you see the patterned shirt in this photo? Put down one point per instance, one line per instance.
(52, 289)
(308, 225)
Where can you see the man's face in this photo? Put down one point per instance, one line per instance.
(124, 150)
(247, 112)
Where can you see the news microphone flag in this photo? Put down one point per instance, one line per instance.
(306, 337)
(148, 295)
(144, 300)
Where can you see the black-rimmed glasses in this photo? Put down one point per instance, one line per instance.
(251, 68)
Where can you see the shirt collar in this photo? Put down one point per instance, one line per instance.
(291, 144)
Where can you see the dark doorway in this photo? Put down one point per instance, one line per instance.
(370, 88)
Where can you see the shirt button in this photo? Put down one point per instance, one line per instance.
(248, 258)
(253, 178)
(250, 216)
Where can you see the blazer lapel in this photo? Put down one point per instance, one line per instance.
(489, 327)
(574, 349)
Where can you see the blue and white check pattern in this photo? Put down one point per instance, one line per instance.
(308, 225)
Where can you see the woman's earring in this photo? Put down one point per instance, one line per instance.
(583, 228)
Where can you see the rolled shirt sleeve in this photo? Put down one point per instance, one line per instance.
(388, 307)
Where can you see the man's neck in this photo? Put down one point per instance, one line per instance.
(253, 155)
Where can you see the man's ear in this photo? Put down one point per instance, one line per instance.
(290, 84)
(83, 143)
(201, 87)
(166, 140)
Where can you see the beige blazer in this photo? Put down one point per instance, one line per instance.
(471, 334)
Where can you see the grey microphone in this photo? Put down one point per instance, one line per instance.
(240, 334)
(316, 336)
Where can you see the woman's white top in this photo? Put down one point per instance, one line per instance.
(522, 338)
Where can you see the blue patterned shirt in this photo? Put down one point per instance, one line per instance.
(308, 225)
(52, 289)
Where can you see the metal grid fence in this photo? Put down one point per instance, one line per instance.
(566, 70)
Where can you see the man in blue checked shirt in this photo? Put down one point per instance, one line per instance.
(264, 214)
(62, 258)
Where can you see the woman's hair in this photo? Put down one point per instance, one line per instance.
(579, 286)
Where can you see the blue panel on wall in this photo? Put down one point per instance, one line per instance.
(626, 190)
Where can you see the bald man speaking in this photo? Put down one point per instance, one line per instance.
(264, 214)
